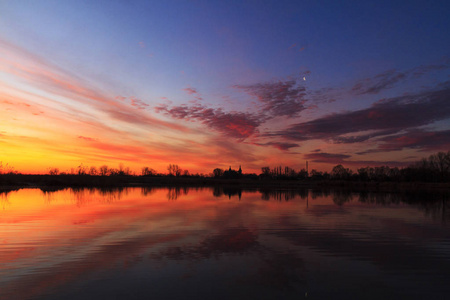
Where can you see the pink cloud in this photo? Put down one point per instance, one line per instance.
(190, 90)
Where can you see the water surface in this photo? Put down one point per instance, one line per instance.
(174, 243)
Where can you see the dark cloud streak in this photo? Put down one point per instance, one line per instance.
(234, 124)
(391, 78)
(383, 117)
(282, 98)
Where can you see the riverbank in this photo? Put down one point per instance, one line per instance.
(49, 182)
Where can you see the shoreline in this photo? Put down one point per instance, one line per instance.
(56, 182)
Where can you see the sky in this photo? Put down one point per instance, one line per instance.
(219, 84)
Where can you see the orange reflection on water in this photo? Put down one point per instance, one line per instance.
(50, 241)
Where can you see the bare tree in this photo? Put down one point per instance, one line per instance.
(265, 171)
(53, 171)
(174, 170)
(93, 171)
(146, 171)
(103, 170)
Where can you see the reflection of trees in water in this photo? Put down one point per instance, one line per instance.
(174, 192)
(320, 193)
(342, 196)
(49, 192)
(280, 195)
(229, 191)
(82, 196)
(280, 270)
(110, 195)
(147, 191)
(4, 197)
(434, 204)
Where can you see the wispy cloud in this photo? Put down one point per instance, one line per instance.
(190, 90)
(86, 138)
(279, 145)
(52, 79)
(413, 139)
(234, 124)
(378, 83)
(281, 98)
(345, 159)
(383, 117)
(322, 157)
(390, 78)
(139, 104)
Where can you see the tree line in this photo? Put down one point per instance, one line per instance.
(435, 168)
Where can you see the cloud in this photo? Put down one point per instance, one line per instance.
(280, 145)
(86, 138)
(361, 138)
(335, 159)
(233, 124)
(282, 98)
(193, 92)
(413, 139)
(378, 83)
(322, 157)
(139, 104)
(190, 90)
(424, 69)
(390, 78)
(52, 79)
(383, 117)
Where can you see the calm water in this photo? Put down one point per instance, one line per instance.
(222, 244)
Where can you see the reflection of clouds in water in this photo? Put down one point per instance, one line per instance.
(230, 240)
(259, 243)
(277, 269)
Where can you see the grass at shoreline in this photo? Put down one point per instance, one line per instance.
(14, 181)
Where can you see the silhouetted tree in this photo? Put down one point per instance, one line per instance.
(440, 162)
(93, 171)
(265, 171)
(146, 171)
(217, 172)
(53, 171)
(174, 170)
(103, 170)
(303, 174)
(7, 169)
(341, 173)
(81, 169)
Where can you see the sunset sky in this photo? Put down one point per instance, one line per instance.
(206, 84)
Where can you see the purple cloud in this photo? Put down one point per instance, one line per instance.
(282, 98)
(378, 83)
(390, 78)
(190, 90)
(322, 157)
(234, 124)
(414, 139)
(383, 117)
(280, 145)
(333, 158)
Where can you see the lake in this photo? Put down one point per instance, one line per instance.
(218, 243)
